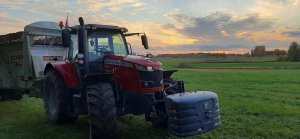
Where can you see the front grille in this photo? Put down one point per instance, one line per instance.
(154, 78)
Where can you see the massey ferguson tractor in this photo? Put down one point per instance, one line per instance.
(90, 69)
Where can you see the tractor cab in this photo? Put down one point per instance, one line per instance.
(97, 42)
(91, 43)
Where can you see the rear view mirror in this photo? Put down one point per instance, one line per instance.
(145, 41)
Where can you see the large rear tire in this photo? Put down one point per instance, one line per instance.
(57, 99)
(102, 111)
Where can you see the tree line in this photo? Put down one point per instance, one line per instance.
(293, 53)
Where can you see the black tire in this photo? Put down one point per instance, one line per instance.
(102, 111)
(57, 99)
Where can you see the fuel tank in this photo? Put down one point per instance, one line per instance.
(192, 113)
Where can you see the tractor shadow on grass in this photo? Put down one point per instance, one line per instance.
(131, 126)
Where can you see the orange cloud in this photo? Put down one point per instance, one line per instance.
(260, 37)
(157, 34)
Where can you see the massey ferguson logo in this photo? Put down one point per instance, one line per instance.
(206, 105)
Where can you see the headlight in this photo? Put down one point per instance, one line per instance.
(80, 56)
(143, 68)
(80, 61)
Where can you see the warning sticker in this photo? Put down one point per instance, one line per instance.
(52, 58)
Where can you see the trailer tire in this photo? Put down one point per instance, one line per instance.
(102, 111)
(57, 99)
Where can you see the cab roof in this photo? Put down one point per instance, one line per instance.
(99, 26)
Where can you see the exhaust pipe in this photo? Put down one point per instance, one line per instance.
(82, 42)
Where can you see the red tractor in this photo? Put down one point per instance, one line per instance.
(102, 79)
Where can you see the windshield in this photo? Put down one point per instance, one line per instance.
(101, 44)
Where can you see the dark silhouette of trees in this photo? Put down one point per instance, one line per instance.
(294, 52)
(278, 52)
(259, 51)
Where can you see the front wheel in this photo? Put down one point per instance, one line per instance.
(57, 100)
(102, 111)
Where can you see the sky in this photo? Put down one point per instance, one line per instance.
(172, 26)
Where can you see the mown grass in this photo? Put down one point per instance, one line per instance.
(229, 63)
(261, 103)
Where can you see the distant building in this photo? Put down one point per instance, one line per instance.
(269, 53)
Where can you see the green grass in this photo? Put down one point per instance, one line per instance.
(230, 63)
(260, 103)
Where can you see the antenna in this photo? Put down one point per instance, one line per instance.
(67, 21)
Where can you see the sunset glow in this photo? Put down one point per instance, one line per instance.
(173, 26)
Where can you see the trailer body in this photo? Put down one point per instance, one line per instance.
(24, 55)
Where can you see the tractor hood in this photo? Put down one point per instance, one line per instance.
(141, 60)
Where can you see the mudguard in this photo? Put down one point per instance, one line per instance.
(192, 113)
(168, 73)
(67, 71)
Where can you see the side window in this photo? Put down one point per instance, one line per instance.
(103, 44)
(47, 40)
(74, 44)
(119, 47)
(92, 44)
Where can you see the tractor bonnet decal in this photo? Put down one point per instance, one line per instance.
(118, 63)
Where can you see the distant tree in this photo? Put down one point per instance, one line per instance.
(278, 52)
(294, 52)
(252, 53)
(259, 51)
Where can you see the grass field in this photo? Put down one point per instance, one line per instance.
(258, 99)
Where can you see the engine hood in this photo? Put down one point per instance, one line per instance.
(145, 61)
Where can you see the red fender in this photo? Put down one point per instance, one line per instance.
(67, 71)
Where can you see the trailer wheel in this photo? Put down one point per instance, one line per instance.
(57, 100)
(102, 111)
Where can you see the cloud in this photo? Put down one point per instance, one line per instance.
(177, 15)
(217, 23)
(285, 11)
(292, 33)
(228, 31)
(10, 24)
(116, 5)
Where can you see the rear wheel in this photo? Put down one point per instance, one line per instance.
(57, 99)
(102, 111)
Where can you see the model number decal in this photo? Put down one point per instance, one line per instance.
(16, 60)
(118, 63)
